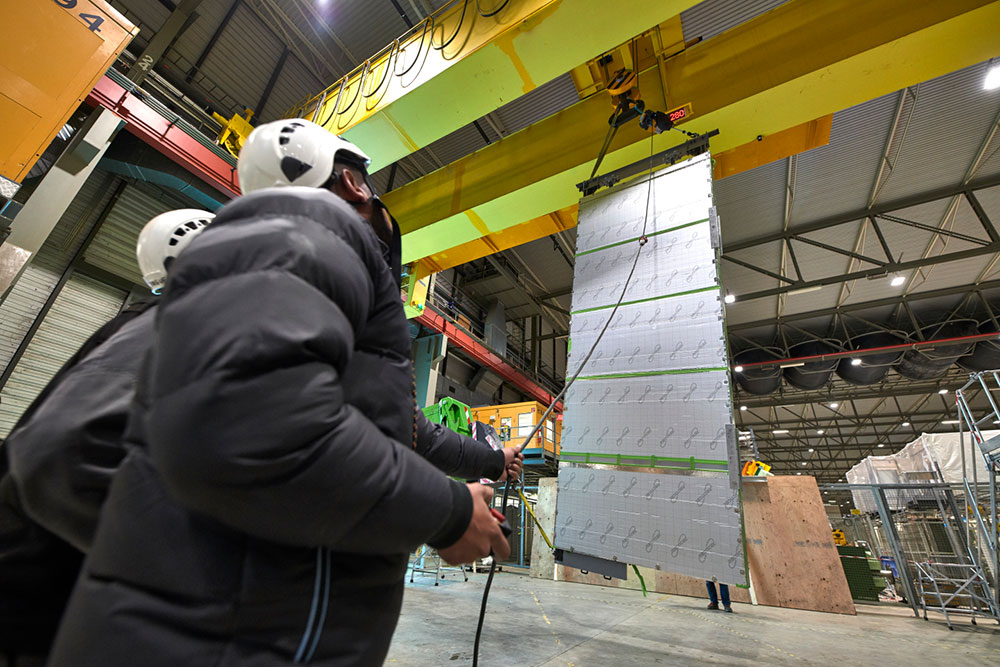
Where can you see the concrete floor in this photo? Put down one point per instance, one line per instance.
(535, 622)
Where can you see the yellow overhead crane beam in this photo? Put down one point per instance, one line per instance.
(457, 65)
(792, 66)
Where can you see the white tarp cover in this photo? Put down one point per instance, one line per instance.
(928, 453)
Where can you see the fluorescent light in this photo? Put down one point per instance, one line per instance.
(811, 450)
(730, 298)
(819, 432)
(942, 391)
(950, 421)
(897, 281)
(793, 364)
(992, 80)
(905, 424)
(833, 406)
(855, 362)
(880, 445)
(805, 290)
(737, 369)
(743, 408)
(804, 463)
(798, 473)
(780, 431)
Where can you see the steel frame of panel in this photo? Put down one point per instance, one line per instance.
(648, 430)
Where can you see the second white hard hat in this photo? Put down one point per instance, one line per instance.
(163, 238)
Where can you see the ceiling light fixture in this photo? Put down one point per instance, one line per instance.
(905, 424)
(833, 406)
(992, 80)
(780, 431)
(730, 298)
(855, 362)
(942, 391)
(820, 432)
(804, 463)
(743, 408)
(880, 445)
(737, 369)
(897, 281)
(949, 421)
(811, 450)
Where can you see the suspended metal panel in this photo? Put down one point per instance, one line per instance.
(655, 395)
(83, 305)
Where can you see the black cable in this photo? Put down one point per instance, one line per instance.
(541, 422)
(461, 20)
(496, 11)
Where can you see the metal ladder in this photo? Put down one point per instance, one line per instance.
(426, 560)
(988, 382)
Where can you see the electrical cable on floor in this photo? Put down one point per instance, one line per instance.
(541, 422)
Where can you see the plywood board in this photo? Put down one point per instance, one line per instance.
(793, 560)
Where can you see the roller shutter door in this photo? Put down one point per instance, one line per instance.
(83, 305)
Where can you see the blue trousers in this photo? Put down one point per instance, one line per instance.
(712, 597)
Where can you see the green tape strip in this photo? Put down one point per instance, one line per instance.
(640, 374)
(651, 461)
(648, 236)
(652, 298)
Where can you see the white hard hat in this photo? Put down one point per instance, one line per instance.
(292, 152)
(163, 238)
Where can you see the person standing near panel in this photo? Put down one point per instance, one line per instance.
(57, 463)
(273, 490)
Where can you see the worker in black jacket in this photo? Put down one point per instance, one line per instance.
(271, 494)
(67, 445)
(63, 451)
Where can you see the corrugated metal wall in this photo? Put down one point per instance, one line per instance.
(113, 247)
(83, 305)
(27, 296)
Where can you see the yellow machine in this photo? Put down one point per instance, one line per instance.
(514, 422)
(839, 538)
(235, 131)
(756, 469)
(414, 289)
(52, 55)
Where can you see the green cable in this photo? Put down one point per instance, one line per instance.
(641, 580)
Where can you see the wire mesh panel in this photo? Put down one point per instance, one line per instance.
(647, 429)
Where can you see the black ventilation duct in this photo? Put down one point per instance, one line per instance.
(812, 374)
(758, 381)
(874, 367)
(986, 355)
(932, 362)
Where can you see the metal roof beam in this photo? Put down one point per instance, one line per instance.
(866, 305)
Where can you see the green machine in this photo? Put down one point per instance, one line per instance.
(453, 414)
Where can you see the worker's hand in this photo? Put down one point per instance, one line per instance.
(513, 461)
(483, 534)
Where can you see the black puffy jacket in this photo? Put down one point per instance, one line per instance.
(61, 439)
(271, 493)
